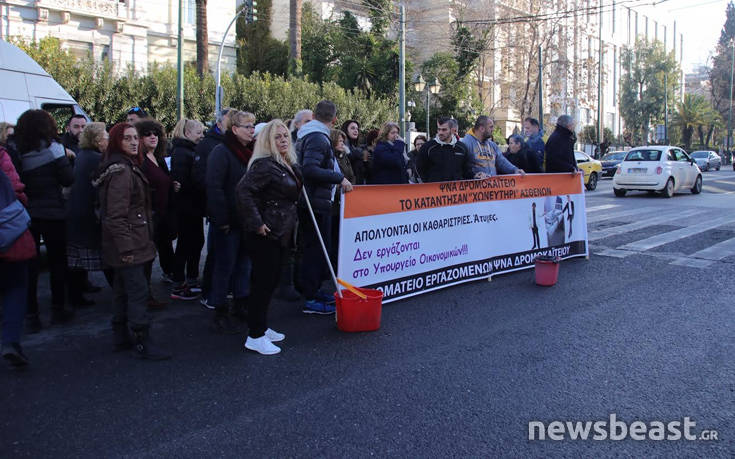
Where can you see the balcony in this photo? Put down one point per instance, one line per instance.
(107, 9)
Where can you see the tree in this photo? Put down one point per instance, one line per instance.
(380, 15)
(294, 37)
(690, 114)
(722, 64)
(257, 50)
(642, 88)
(202, 38)
(588, 135)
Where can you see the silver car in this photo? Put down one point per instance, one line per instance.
(707, 160)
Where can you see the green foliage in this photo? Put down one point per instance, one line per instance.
(720, 72)
(106, 95)
(467, 48)
(380, 15)
(257, 50)
(588, 135)
(694, 114)
(642, 86)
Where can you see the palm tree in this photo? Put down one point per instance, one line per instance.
(294, 36)
(691, 113)
(202, 38)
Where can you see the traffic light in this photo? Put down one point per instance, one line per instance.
(252, 11)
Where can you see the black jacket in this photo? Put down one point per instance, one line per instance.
(82, 223)
(389, 164)
(360, 167)
(224, 171)
(71, 142)
(44, 173)
(318, 170)
(525, 159)
(211, 139)
(560, 150)
(437, 162)
(268, 194)
(189, 200)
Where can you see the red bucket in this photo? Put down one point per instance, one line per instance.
(357, 315)
(546, 270)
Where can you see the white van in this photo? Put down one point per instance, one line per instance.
(25, 85)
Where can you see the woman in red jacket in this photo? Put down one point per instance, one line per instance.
(14, 271)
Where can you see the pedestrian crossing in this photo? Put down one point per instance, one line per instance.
(607, 223)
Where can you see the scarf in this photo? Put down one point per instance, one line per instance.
(242, 152)
(452, 141)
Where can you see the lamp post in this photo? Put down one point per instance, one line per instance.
(218, 88)
(432, 88)
(729, 114)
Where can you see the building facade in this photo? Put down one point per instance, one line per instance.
(127, 33)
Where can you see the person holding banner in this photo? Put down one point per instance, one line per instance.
(321, 177)
(444, 158)
(389, 160)
(521, 156)
(489, 161)
(560, 147)
(267, 197)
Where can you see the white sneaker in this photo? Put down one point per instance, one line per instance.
(262, 345)
(274, 336)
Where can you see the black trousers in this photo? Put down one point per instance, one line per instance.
(536, 241)
(164, 246)
(54, 237)
(312, 265)
(130, 291)
(265, 256)
(188, 247)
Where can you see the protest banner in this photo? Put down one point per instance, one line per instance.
(410, 239)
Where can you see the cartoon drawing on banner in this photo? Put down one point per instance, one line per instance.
(554, 218)
(569, 210)
(536, 218)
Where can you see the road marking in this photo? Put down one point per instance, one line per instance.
(692, 263)
(672, 236)
(620, 214)
(717, 252)
(602, 207)
(673, 216)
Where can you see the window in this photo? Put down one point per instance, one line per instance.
(643, 155)
(681, 156)
(190, 15)
(670, 156)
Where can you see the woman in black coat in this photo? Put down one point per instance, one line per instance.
(357, 152)
(46, 170)
(389, 158)
(521, 156)
(266, 198)
(84, 235)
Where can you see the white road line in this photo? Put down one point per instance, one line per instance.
(671, 217)
(717, 252)
(620, 214)
(672, 236)
(602, 207)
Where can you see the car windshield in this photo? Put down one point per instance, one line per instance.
(615, 156)
(700, 154)
(643, 155)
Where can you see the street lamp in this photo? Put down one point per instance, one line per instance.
(432, 88)
(246, 8)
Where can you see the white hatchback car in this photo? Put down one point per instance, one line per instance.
(657, 168)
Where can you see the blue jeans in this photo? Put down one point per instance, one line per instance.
(231, 268)
(14, 294)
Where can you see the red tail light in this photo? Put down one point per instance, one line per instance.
(659, 170)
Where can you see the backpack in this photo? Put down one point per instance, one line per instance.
(14, 219)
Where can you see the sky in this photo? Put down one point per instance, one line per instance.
(700, 22)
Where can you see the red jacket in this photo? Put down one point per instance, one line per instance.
(25, 247)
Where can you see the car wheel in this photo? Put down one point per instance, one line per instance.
(697, 188)
(618, 192)
(668, 190)
(718, 168)
(592, 182)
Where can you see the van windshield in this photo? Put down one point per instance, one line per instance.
(643, 155)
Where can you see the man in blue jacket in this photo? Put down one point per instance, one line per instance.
(534, 138)
(321, 177)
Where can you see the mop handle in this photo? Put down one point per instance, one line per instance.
(321, 241)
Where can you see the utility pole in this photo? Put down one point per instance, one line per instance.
(402, 76)
(599, 88)
(729, 114)
(540, 91)
(180, 65)
(666, 108)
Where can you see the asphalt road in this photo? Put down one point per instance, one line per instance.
(643, 329)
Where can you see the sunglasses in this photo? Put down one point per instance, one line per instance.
(147, 133)
(135, 110)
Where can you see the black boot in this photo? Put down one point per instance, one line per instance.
(240, 309)
(222, 324)
(286, 290)
(61, 315)
(121, 339)
(145, 349)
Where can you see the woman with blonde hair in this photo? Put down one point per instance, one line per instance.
(226, 165)
(266, 198)
(389, 159)
(189, 210)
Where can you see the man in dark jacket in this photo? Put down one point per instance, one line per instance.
(534, 138)
(560, 147)
(74, 128)
(321, 175)
(444, 158)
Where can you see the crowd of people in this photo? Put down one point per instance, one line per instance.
(113, 201)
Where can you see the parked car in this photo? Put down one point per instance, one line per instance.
(610, 162)
(665, 169)
(592, 169)
(707, 160)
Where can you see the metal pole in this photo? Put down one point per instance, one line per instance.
(321, 240)
(540, 92)
(402, 76)
(599, 88)
(218, 90)
(666, 108)
(180, 65)
(729, 114)
(428, 95)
